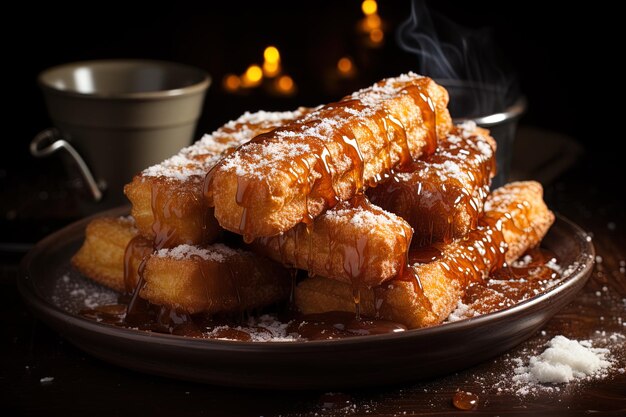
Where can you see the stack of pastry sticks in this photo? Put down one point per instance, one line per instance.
(379, 197)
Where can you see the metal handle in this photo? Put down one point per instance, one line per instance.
(49, 141)
(512, 112)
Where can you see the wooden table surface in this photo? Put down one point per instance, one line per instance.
(83, 385)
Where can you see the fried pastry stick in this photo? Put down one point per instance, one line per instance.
(515, 219)
(442, 197)
(297, 171)
(354, 242)
(189, 279)
(213, 279)
(166, 199)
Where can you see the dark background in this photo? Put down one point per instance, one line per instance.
(564, 59)
(567, 62)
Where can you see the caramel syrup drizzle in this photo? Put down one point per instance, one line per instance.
(230, 274)
(166, 236)
(167, 215)
(163, 212)
(474, 258)
(138, 248)
(423, 199)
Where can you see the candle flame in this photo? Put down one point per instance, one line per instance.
(252, 76)
(345, 65)
(371, 22)
(285, 84)
(371, 25)
(231, 82)
(271, 54)
(271, 63)
(377, 36)
(369, 7)
(271, 69)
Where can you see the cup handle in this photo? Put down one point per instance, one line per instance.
(49, 141)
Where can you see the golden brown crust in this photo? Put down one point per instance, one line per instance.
(101, 257)
(293, 174)
(188, 220)
(352, 242)
(239, 282)
(520, 231)
(517, 209)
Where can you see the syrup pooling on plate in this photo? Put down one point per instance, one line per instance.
(340, 325)
(534, 273)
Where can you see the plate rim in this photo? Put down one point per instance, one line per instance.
(42, 307)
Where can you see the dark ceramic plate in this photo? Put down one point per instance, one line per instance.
(51, 289)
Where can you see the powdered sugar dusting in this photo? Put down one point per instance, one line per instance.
(458, 160)
(467, 127)
(263, 118)
(262, 161)
(459, 172)
(461, 312)
(197, 159)
(128, 221)
(563, 361)
(212, 253)
(504, 196)
(373, 96)
(484, 148)
(265, 328)
(365, 218)
(74, 293)
(597, 357)
(255, 163)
